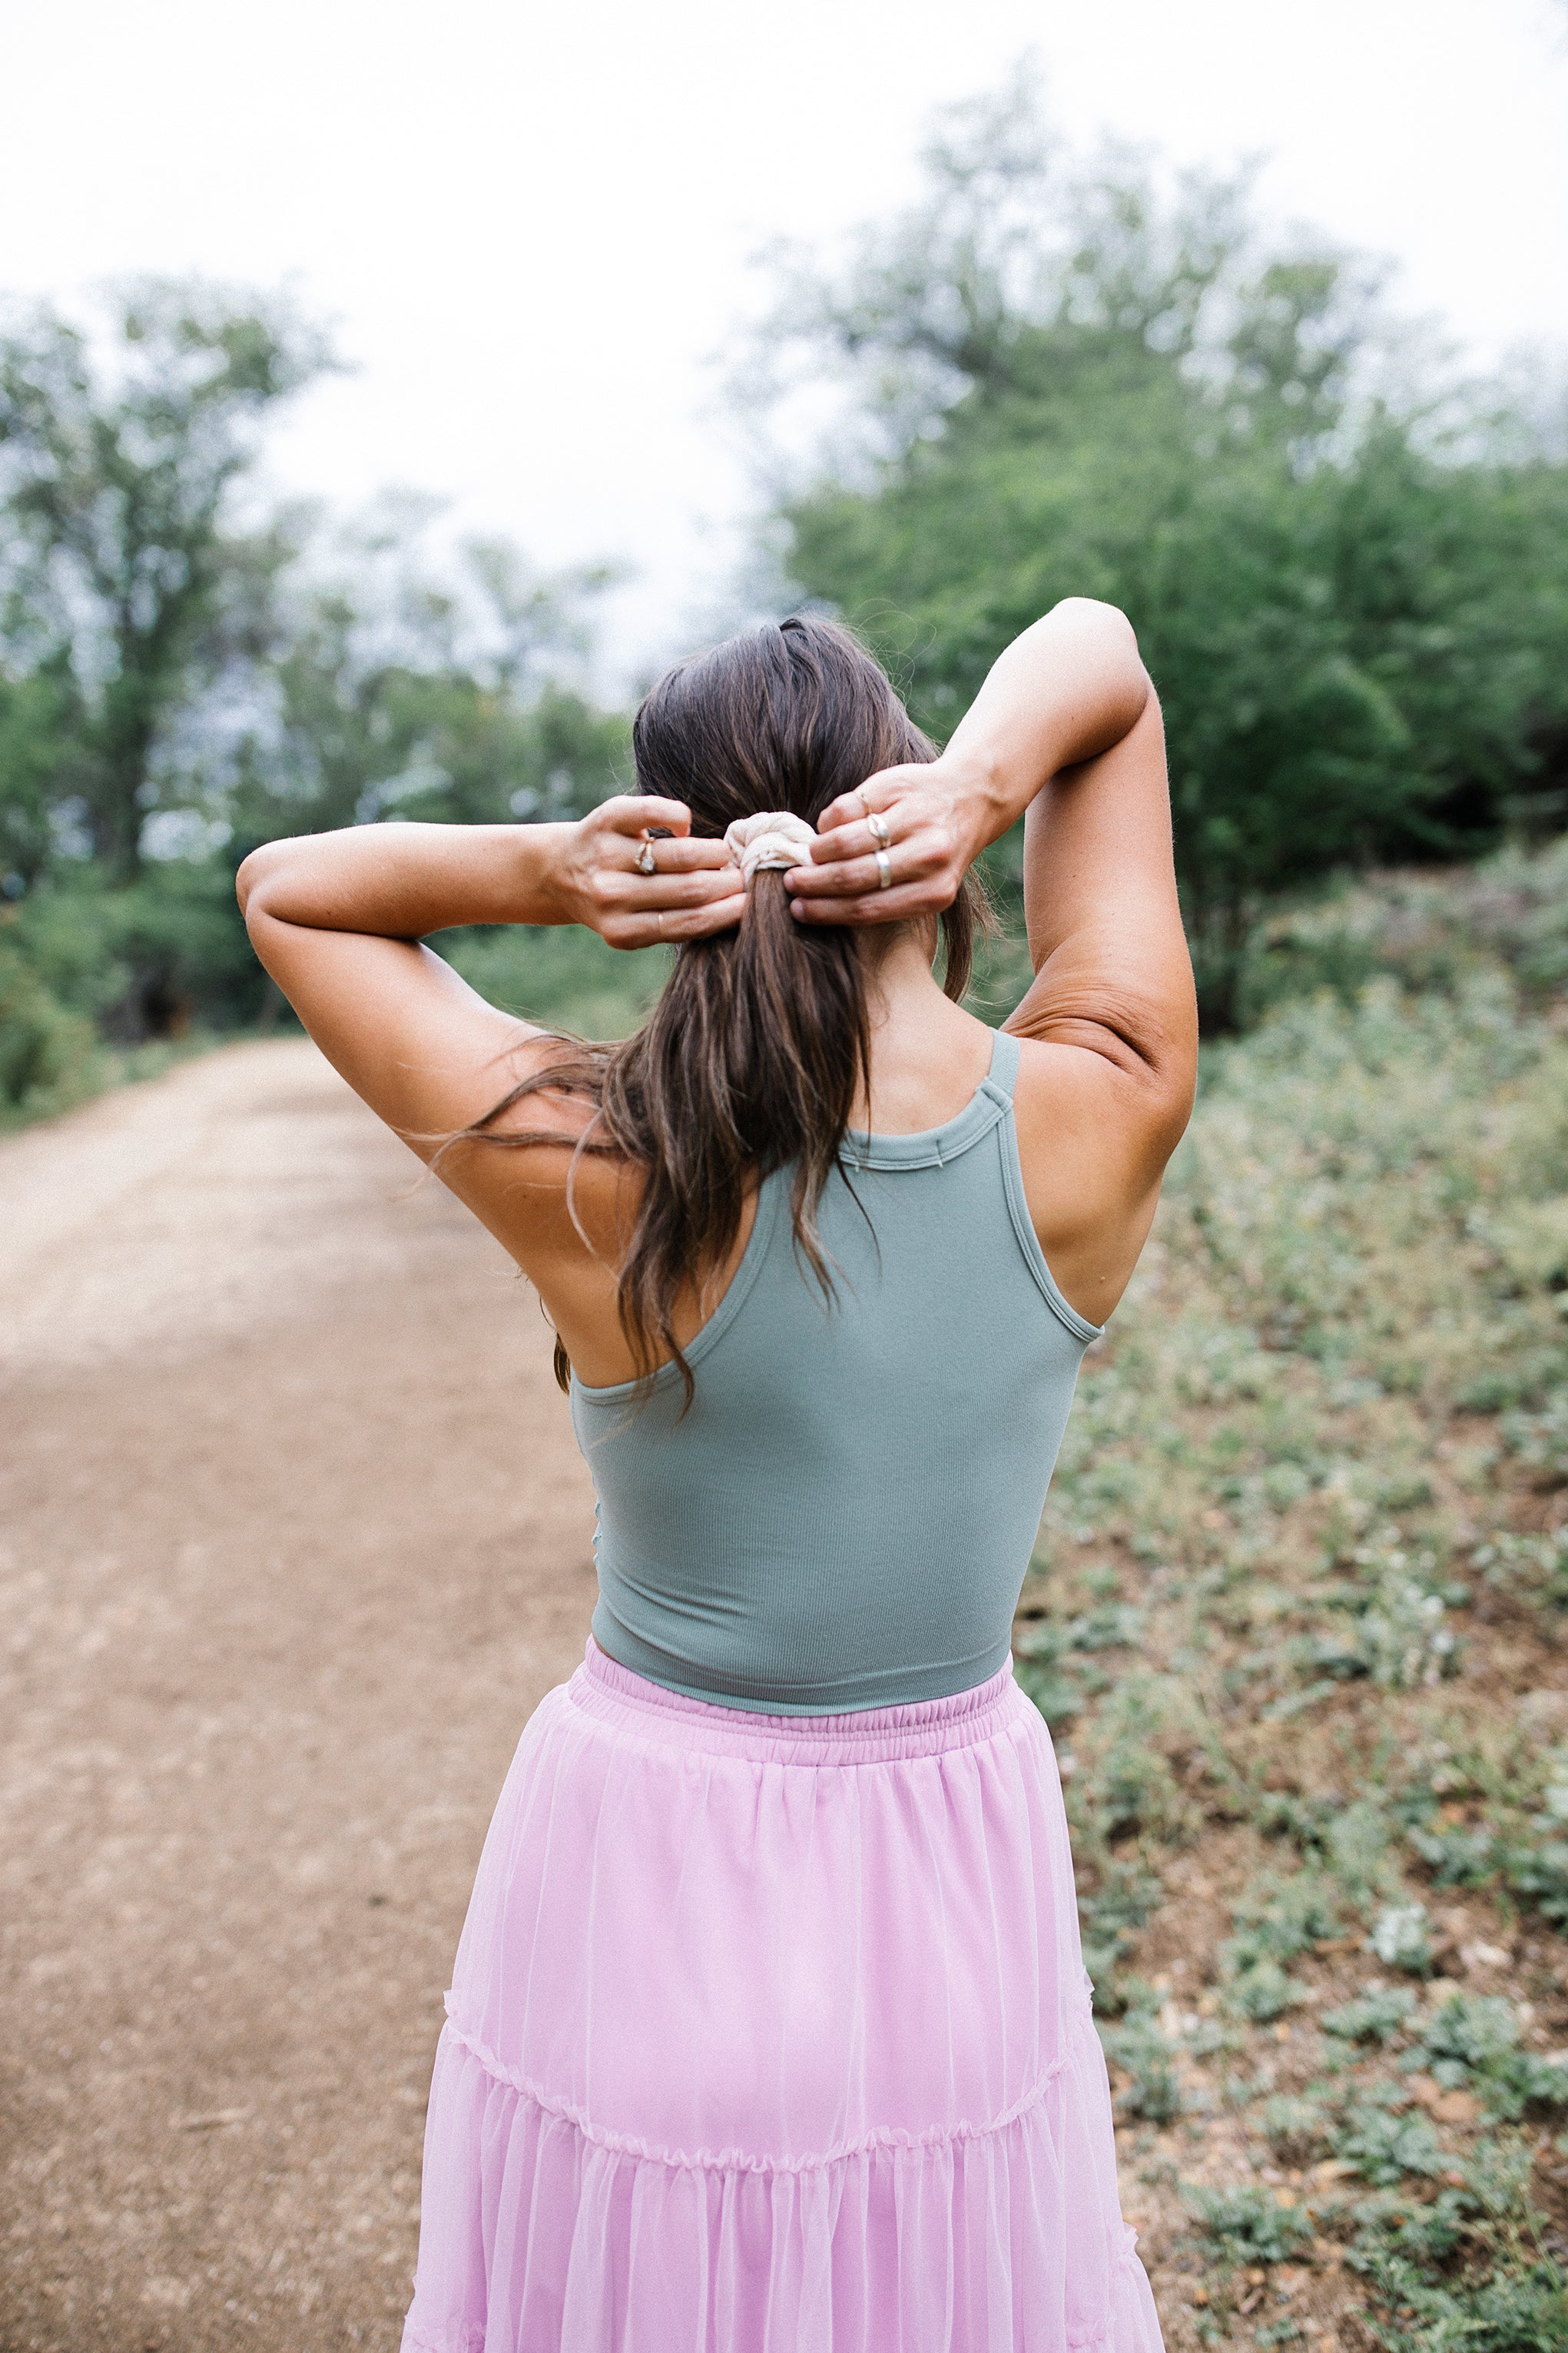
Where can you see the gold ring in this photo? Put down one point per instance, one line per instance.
(878, 826)
(884, 870)
(646, 862)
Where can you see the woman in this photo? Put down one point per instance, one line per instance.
(769, 2028)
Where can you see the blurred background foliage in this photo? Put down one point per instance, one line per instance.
(1347, 562)
(184, 675)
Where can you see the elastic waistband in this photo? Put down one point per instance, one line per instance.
(603, 1689)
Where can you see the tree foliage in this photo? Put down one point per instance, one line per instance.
(405, 688)
(1348, 569)
(183, 676)
(130, 588)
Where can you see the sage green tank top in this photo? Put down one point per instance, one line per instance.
(844, 1517)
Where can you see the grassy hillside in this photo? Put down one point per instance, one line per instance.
(1299, 1625)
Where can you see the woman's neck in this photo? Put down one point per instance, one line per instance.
(928, 1055)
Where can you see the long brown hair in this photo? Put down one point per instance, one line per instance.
(753, 1055)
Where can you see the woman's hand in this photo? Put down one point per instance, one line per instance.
(695, 887)
(928, 821)
(1063, 693)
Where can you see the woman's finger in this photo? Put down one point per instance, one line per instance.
(878, 792)
(849, 879)
(696, 850)
(860, 840)
(892, 906)
(680, 855)
(660, 927)
(699, 889)
(623, 891)
(633, 813)
(917, 857)
(697, 923)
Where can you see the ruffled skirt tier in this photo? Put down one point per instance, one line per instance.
(770, 2034)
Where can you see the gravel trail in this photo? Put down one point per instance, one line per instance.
(293, 1536)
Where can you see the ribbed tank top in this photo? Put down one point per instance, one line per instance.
(844, 1517)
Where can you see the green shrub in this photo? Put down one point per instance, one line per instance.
(1540, 1873)
(1385, 2146)
(1458, 1857)
(47, 1055)
(1039, 1646)
(1469, 2032)
(1132, 1788)
(1541, 1439)
(1260, 1989)
(1376, 2016)
(1115, 1627)
(147, 960)
(1473, 2040)
(1248, 2225)
(1355, 1842)
(1401, 1634)
(1054, 1693)
(1053, 1671)
(1533, 1567)
(563, 977)
(1427, 931)
(1282, 1918)
(1108, 1920)
(1525, 1380)
(1512, 2311)
(1401, 1937)
(1138, 2046)
(1297, 2128)
(1273, 1925)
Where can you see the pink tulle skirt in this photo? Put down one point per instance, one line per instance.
(770, 2034)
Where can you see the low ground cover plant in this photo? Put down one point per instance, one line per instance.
(1300, 1622)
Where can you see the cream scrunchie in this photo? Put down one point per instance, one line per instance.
(772, 837)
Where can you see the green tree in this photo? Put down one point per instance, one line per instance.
(180, 679)
(123, 562)
(406, 686)
(42, 767)
(1349, 573)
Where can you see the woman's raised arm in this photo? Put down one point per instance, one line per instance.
(1067, 729)
(338, 919)
(1070, 687)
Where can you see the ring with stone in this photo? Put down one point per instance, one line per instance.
(884, 870)
(644, 861)
(878, 827)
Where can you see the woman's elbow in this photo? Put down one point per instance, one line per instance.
(256, 872)
(1104, 642)
(1098, 614)
(248, 876)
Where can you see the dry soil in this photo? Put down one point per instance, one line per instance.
(293, 1536)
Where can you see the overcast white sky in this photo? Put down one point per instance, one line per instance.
(532, 223)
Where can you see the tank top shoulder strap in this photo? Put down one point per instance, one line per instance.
(1005, 1056)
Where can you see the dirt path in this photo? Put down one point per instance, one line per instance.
(292, 1538)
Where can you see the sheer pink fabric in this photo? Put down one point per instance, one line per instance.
(770, 2034)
